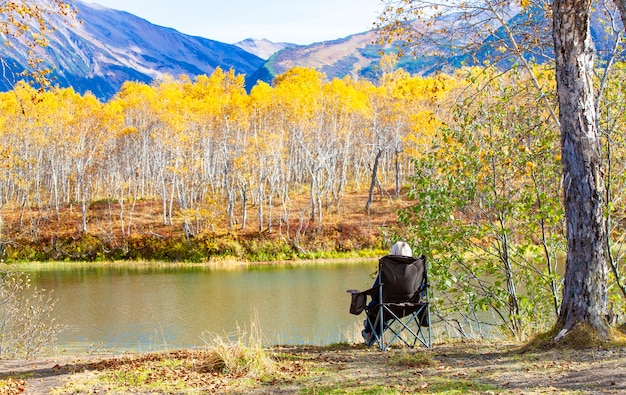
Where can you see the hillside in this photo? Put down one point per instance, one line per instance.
(109, 47)
(352, 55)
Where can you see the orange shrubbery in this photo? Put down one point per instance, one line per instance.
(146, 237)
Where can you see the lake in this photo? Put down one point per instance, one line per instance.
(145, 308)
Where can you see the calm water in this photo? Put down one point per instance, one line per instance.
(136, 308)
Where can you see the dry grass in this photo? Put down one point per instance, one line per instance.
(580, 337)
(448, 368)
(146, 218)
(42, 235)
(240, 354)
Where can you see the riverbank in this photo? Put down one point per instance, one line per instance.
(369, 256)
(347, 232)
(447, 368)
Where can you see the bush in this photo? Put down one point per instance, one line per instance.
(240, 355)
(26, 325)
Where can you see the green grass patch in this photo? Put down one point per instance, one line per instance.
(411, 360)
(350, 389)
(451, 385)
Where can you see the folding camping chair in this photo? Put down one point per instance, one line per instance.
(400, 308)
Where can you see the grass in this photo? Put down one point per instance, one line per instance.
(238, 364)
(12, 386)
(226, 363)
(242, 363)
(411, 360)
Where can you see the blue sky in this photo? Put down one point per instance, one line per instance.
(229, 21)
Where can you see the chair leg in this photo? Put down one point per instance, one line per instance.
(383, 323)
(410, 327)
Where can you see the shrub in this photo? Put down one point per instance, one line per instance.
(239, 355)
(26, 325)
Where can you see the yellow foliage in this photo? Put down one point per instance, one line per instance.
(185, 139)
(27, 24)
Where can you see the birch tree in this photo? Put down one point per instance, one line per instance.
(584, 291)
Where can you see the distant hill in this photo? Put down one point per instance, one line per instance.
(358, 56)
(262, 48)
(532, 31)
(353, 55)
(110, 47)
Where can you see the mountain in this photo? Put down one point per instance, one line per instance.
(262, 48)
(531, 27)
(109, 47)
(357, 55)
(352, 55)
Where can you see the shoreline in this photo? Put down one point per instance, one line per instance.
(216, 264)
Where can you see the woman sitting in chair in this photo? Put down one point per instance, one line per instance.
(400, 248)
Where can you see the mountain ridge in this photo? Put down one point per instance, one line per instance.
(111, 47)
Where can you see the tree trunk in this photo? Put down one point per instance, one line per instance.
(260, 205)
(83, 226)
(370, 196)
(312, 196)
(584, 292)
(244, 204)
(397, 159)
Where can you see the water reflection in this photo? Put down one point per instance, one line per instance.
(150, 308)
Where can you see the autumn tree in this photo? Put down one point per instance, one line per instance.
(267, 153)
(584, 293)
(612, 121)
(388, 121)
(226, 97)
(26, 26)
(485, 191)
(300, 93)
(24, 324)
(404, 117)
(346, 111)
(136, 158)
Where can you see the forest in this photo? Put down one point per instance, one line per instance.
(468, 164)
(209, 157)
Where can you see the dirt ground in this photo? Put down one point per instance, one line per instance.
(473, 368)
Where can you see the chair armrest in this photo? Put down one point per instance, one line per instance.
(359, 299)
